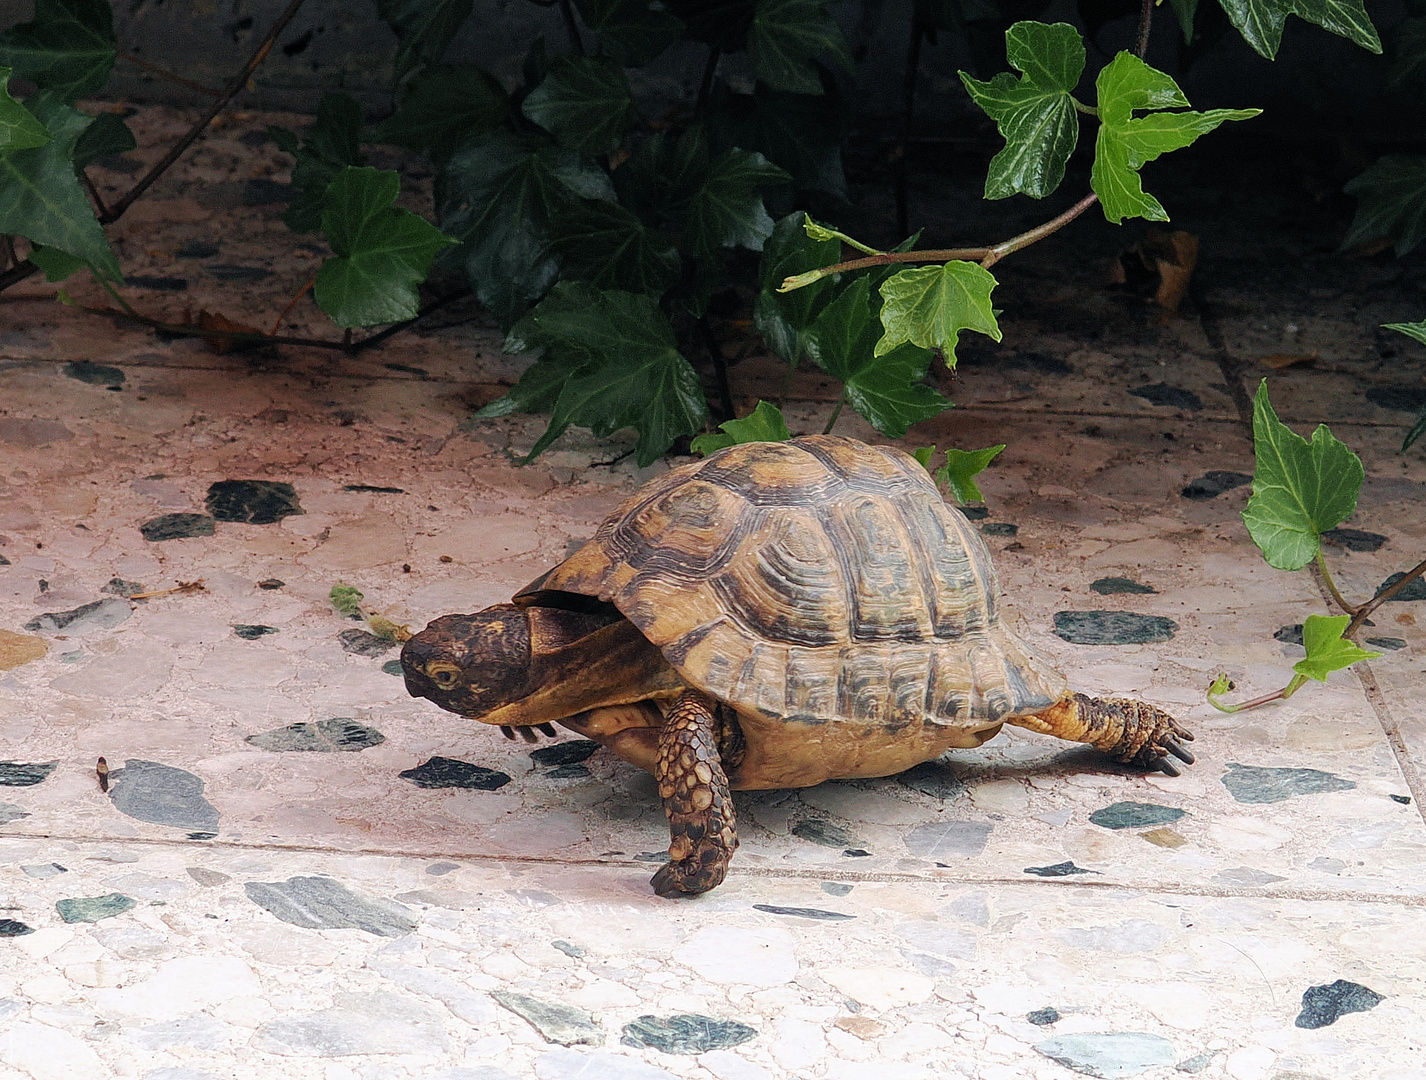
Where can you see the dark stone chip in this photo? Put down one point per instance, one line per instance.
(361, 643)
(120, 587)
(27, 774)
(1059, 869)
(1415, 591)
(999, 528)
(14, 928)
(253, 631)
(568, 949)
(1113, 627)
(1108, 586)
(686, 1033)
(1290, 634)
(271, 583)
(1392, 643)
(803, 912)
(1135, 815)
(163, 795)
(823, 832)
(264, 192)
(4, 561)
(392, 667)
(375, 488)
(1256, 784)
(651, 856)
(564, 753)
(255, 502)
(157, 282)
(1213, 483)
(857, 853)
(229, 272)
(58, 620)
(1174, 397)
(408, 369)
(1323, 1005)
(1404, 800)
(91, 909)
(338, 734)
(568, 772)
(975, 513)
(1402, 398)
(176, 527)
(442, 772)
(933, 779)
(197, 249)
(1354, 539)
(836, 888)
(1042, 1017)
(95, 374)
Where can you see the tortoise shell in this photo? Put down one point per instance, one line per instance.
(814, 581)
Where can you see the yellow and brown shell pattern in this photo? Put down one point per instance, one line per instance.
(815, 580)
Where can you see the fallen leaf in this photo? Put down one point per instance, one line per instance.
(1160, 265)
(212, 320)
(1278, 361)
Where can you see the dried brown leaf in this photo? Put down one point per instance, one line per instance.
(221, 343)
(1278, 361)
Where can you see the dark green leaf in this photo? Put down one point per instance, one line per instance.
(1416, 331)
(69, 47)
(331, 144)
(930, 305)
(624, 369)
(501, 194)
(763, 424)
(1261, 21)
(584, 102)
(1035, 113)
(19, 130)
(1126, 143)
(1408, 53)
(1418, 428)
(885, 388)
(56, 264)
(1185, 10)
(40, 196)
(607, 245)
(107, 135)
(442, 106)
(784, 318)
(960, 469)
(727, 211)
(1327, 650)
(801, 133)
(424, 27)
(786, 36)
(382, 251)
(1300, 489)
(1391, 201)
(633, 32)
(662, 174)
(724, 23)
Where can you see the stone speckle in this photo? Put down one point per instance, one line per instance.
(361, 643)
(1113, 628)
(803, 912)
(1173, 397)
(1110, 586)
(323, 903)
(556, 1022)
(1354, 539)
(163, 795)
(442, 772)
(1324, 1005)
(86, 371)
(253, 631)
(1062, 869)
(14, 928)
(176, 527)
(339, 734)
(1043, 1017)
(686, 1033)
(254, 502)
(93, 908)
(564, 753)
(25, 774)
(942, 838)
(11, 812)
(1414, 591)
(1135, 815)
(1213, 483)
(99, 615)
(1109, 1054)
(1256, 784)
(933, 779)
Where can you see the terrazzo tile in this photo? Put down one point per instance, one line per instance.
(25, 774)
(1325, 1005)
(325, 903)
(1113, 627)
(177, 526)
(90, 909)
(686, 1033)
(441, 772)
(1256, 784)
(1110, 1054)
(555, 1021)
(162, 794)
(255, 502)
(335, 735)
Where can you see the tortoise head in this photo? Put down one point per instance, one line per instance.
(471, 664)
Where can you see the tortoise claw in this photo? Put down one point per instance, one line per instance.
(1167, 766)
(1173, 747)
(507, 731)
(528, 734)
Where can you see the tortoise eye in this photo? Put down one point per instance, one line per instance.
(443, 673)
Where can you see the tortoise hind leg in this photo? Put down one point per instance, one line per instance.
(1133, 732)
(695, 798)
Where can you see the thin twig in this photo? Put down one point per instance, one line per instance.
(720, 369)
(93, 193)
(181, 587)
(571, 27)
(164, 73)
(7, 251)
(293, 303)
(240, 81)
(1382, 597)
(17, 273)
(189, 330)
(1146, 22)
(705, 87)
(837, 412)
(396, 328)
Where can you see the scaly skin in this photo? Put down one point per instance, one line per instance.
(1133, 732)
(696, 799)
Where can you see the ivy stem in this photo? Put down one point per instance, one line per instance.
(93, 193)
(1361, 613)
(1326, 576)
(831, 423)
(1025, 239)
(571, 27)
(720, 368)
(112, 292)
(705, 86)
(1088, 110)
(164, 73)
(292, 304)
(1146, 22)
(1277, 695)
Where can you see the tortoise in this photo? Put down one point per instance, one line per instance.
(774, 615)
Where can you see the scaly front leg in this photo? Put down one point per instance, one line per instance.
(1133, 732)
(695, 798)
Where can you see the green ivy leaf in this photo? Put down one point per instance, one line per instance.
(1418, 428)
(1035, 113)
(786, 36)
(424, 29)
(1391, 201)
(107, 135)
(68, 48)
(621, 368)
(958, 473)
(1261, 21)
(929, 306)
(1126, 143)
(332, 144)
(500, 194)
(607, 245)
(1416, 331)
(801, 133)
(763, 424)
(1327, 650)
(721, 23)
(727, 210)
(440, 107)
(56, 264)
(19, 130)
(662, 175)
(783, 318)
(1300, 489)
(40, 196)
(1408, 59)
(382, 251)
(1185, 10)
(584, 102)
(885, 388)
(633, 32)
